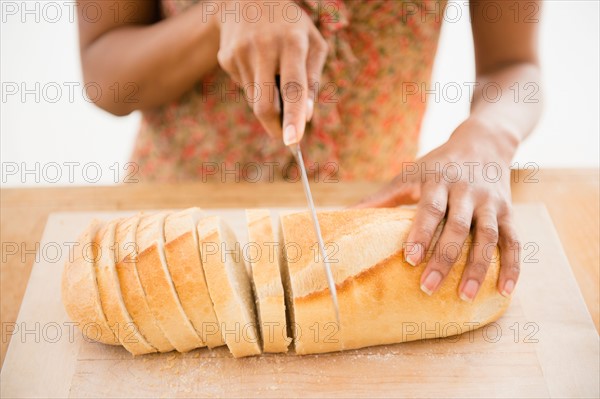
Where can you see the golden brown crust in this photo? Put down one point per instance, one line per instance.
(80, 294)
(264, 263)
(111, 298)
(183, 257)
(159, 289)
(383, 303)
(382, 230)
(131, 287)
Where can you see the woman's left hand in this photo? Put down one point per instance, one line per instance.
(466, 180)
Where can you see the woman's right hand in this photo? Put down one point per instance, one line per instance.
(268, 38)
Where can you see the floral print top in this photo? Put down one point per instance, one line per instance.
(366, 120)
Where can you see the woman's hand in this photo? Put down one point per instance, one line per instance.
(274, 38)
(467, 180)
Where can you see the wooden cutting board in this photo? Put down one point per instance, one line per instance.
(544, 346)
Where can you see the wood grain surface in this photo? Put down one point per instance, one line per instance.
(544, 346)
(571, 197)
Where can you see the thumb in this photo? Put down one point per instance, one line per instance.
(294, 114)
(294, 95)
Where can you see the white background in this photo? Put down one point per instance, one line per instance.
(76, 131)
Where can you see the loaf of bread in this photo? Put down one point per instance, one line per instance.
(178, 280)
(378, 292)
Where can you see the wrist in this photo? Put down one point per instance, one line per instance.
(484, 137)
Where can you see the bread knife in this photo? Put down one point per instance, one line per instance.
(297, 153)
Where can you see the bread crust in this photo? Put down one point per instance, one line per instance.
(126, 254)
(183, 257)
(266, 278)
(382, 302)
(79, 290)
(160, 307)
(235, 313)
(119, 319)
(158, 286)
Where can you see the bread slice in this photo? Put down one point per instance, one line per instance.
(229, 286)
(126, 254)
(183, 258)
(110, 294)
(158, 285)
(378, 292)
(79, 290)
(262, 252)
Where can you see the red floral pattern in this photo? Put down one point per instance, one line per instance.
(364, 130)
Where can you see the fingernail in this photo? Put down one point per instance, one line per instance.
(431, 282)
(469, 291)
(310, 108)
(289, 135)
(412, 253)
(509, 286)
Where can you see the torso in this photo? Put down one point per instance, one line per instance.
(363, 126)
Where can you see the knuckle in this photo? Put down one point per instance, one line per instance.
(435, 209)
(264, 109)
(512, 268)
(459, 224)
(478, 270)
(424, 233)
(462, 185)
(313, 78)
(511, 241)
(515, 269)
(297, 40)
(489, 232)
(505, 208)
(321, 45)
(264, 41)
(226, 60)
(489, 196)
(292, 91)
(245, 43)
(292, 117)
(510, 258)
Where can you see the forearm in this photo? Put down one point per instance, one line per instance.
(507, 104)
(140, 67)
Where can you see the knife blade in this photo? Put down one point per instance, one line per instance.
(295, 148)
(297, 153)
